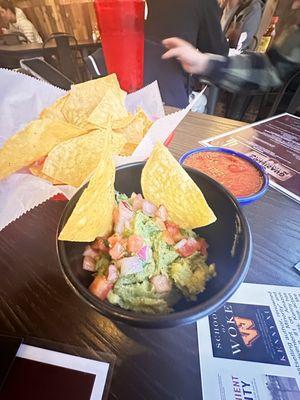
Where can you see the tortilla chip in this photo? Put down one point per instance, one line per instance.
(55, 110)
(110, 107)
(93, 213)
(76, 118)
(118, 143)
(147, 122)
(134, 131)
(74, 160)
(128, 149)
(84, 98)
(37, 170)
(34, 142)
(122, 122)
(165, 182)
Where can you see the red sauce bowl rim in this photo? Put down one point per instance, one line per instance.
(245, 199)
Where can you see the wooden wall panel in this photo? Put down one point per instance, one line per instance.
(76, 17)
(268, 13)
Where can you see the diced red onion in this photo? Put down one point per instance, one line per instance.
(149, 208)
(161, 283)
(89, 264)
(113, 274)
(160, 223)
(130, 265)
(162, 213)
(90, 252)
(180, 244)
(145, 253)
(125, 215)
(126, 205)
(192, 242)
(137, 202)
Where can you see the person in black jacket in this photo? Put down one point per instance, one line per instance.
(196, 21)
(254, 71)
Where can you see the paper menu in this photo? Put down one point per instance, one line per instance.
(249, 348)
(23, 98)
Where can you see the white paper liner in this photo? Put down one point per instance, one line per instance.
(23, 98)
(19, 194)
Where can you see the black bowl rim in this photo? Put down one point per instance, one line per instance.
(176, 318)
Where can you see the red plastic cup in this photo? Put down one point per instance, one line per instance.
(121, 26)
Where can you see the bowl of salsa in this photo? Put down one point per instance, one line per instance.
(238, 173)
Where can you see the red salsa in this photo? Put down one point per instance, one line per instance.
(238, 175)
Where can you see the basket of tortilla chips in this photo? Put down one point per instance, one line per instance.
(64, 144)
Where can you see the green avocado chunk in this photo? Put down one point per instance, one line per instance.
(191, 274)
(140, 297)
(163, 255)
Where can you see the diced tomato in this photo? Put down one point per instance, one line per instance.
(112, 240)
(174, 231)
(202, 246)
(100, 287)
(117, 251)
(168, 238)
(113, 274)
(100, 244)
(188, 248)
(134, 244)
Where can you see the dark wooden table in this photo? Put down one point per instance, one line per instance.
(10, 56)
(151, 364)
(28, 50)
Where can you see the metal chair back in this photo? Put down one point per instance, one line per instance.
(67, 56)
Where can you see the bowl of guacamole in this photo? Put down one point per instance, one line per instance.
(149, 272)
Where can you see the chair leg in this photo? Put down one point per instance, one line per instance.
(238, 106)
(294, 103)
(213, 94)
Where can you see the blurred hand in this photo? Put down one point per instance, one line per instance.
(191, 59)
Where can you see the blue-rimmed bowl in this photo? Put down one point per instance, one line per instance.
(242, 200)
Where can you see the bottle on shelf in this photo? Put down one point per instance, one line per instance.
(268, 37)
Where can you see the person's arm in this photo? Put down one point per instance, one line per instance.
(211, 39)
(243, 72)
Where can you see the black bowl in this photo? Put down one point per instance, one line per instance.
(230, 247)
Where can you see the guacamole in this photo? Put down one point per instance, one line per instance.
(148, 262)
